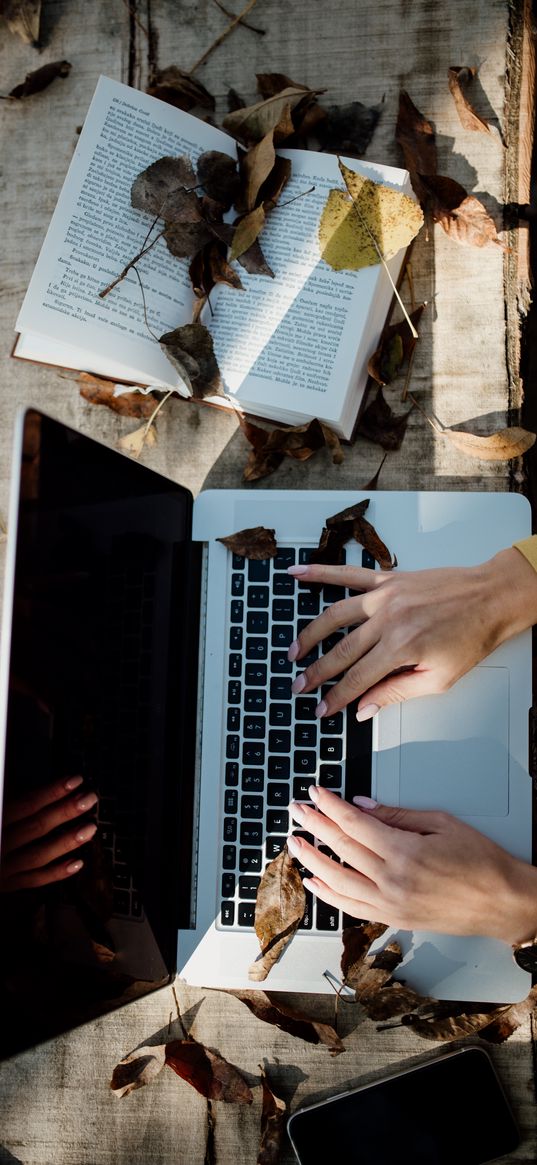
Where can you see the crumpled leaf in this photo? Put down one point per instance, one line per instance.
(23, 18)
(500, 446)
(271, 189)
(218, 175)
(180, 89)
(255, 542)
(433, 1023)
(379, 423)
(368, 213)
(374, 481)
(254, 262)
(207, 1072)
(394, 999)
(255, 121)
(417, 140)
(273, 1125)
(98, 391)
(508, 1019)
(190, 350)
(269, 84)
(459, 75)
(166, 189)
(279, 909)
(290, 1020)
(340, 528)
(347, 129)
(38, 80)
(246, 232)
(396, 346)
(356, 943)
(461, 215)
(185, 239)
(255, 166)
(300, 442)
(138, 1069)
(133, 443)
(209, 266)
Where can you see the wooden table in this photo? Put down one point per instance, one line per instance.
(56, 1106)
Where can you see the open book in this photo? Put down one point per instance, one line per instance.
(289, 348)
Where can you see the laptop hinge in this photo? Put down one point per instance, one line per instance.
(532, 744)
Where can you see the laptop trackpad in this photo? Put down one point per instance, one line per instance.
(455, 747)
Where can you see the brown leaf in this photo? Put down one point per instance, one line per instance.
(290, 1020)
(269, 84)
(461, 215)
(40, 79)
(190, 350)
(279, 908)
(22, 18)
(500, 446)
(210, 266)
(374, 972)
(469, 119)
(138, 1069)
(101, 392)
(185, 239)
(255, 121)
(417, 140)
(210, 1144)
(246, 232)
(347, 129)
(207, 1072)
(255, 166)
(273, 1123)
(256, 542)
(253, 261)
(356, 943)
(380, 424)
(373, 483)
(396, 346)
(180, 89)
(218, 175)
(300, 442)
(166, 189)
(272, 187)
(436, 1025)
(339, 529)
(507, 1020)
(367, 536)
(394, 1000)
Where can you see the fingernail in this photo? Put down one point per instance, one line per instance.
(365, 802)
(367, 712)
(74, 867)
(87, 832)
(322, 708)
(87, 801)
(297, 570)
(73, 783)
(309, 883)
(313, 792)
(299, 684)
(294, 846)
(293, 650)
(296, 811)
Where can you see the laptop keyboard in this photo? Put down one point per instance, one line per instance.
(275, 747)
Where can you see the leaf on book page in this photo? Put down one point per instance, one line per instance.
(101, 392)
(255, 121)
(380, 424)
(273, 1125)
(271, 189)
(417, 140)
(190, 350)
(166, 189)
(180, 89)
(459, 75)
(207, 1072)
(246, 232)
(347, 129)
(253, 261)
(508, 1019)
(185, 239)
(209, 266)
(40, 79)
(279, 909)
(255, 542)
(133, 443)
(138, 1069)
(23, 18)
(255, 166)
(218, 175)
(500, 446)
(367, 222)
(396, 346)
(290, 1020)
(461, 215)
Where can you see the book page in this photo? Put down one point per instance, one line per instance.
(95, 232)
(293, 341)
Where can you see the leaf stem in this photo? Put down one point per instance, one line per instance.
(421, 410)
(280, 205)
(230, 15)
(237, 20)
(132, 263)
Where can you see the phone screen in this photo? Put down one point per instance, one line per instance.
(451, 1109)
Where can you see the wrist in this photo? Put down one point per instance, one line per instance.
(511, 594)
(521, 926)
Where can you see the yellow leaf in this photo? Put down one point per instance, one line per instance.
(133, 443)
(366, 224)
(500, 446)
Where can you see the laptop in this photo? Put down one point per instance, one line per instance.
(141, 654)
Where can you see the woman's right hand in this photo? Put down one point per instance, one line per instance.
(33, 843)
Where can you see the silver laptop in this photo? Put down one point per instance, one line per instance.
(140, 653)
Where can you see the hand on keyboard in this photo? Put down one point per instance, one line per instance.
(412, 633)
(414, 870)
(32, 841)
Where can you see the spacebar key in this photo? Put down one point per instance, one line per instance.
(358, 756)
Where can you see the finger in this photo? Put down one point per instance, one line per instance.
(326, 831)
(363, 827)
(33, 857)
(344, 613)
(38, 798)
(341, 879)
(44, 877)
(358, 578)
(360, 677)
(424, 821)
(404, 685)
(29, 830)
(352, 906)
(343, 656)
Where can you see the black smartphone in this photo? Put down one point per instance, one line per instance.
(450, 1109)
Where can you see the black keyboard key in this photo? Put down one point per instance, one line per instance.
(136, 905)
(331, 749)
(121, 881)
(231, 801)
(327, 916)
(232, 747)
(233, 719)
(232, 773)
(237, 584)
(368, 560)
(332, 594)
(282, 635)
(280, 688)
(235, 639)
(283, 610)
(255, 701)
(307, 919)
(250, 861)
(246, 914)
(305, 762)
(305, 554)
(237, 562)
(332, 724)
(277, 794)
(227, 913)
(308, 604)
(235, 665)
(279, 662)
(328, 853)
(253, 754)
(258, 597)
(279, 740)
(358, 757)
(300, 788)
(330, 776)
(230, 829)
(254, 727)
(280, 715)
(306, 735)
(251, 833)
(257, 622)
(255, 674)
(256, 648)
(251, 807)
(274, 847)
(229, 856)
(228, 885)
(301, 625)
(277, 821)
(253, 780)
(233, 692)
(248, 884)
(279, 767)
(259, 569)
(285, 557)
(236, 613)
(305, 708)
(283, 584)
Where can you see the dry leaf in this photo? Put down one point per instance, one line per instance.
(256, 543)
(138, 1069)
(190, 350)
(269, 84)
(396, 999)
(417, 140)
(253, 261)
(180, 89)
(367, 536)
(380, 424)
(210, 1144)
(300, 442)
(373, 483)
(207, 1072)
(461, 215)
(98, 391)
(246, 232)
(374, 972)
(210, 266)
(437, 1026)
(508, 1019)
(356, 943)
(279, 909)
(40, 79)
(185, 239)
(166, 189)
(290, 1019)
(347, 129)
(469, 119)
(255, 166)
(500, 446)
(218, 175)
(22, 18)
(255, 121)
(273, 1125)
(273, 185)
(396, 346)
(133, 443)
(370, 219)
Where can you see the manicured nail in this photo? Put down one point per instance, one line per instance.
(296, 811)
(313, 792)
(294, 846)
(299, 684)
(296, 571)
(293, 650)
(87, 832)
(322, 708)
(73, 783)
(310, 884)
(74, 867)
(367, 712)
(365, 802)
(87, 801)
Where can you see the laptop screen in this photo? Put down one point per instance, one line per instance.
(102, 679)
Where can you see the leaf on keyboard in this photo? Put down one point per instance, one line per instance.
(256, 542)
(139, 1068)
(273, 1120)
(290, 1020)
(207, 1072)
(279, 908)
(342, 528)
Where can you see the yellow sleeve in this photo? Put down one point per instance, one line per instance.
(528, 547)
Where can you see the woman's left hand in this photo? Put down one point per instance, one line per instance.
(413, 869)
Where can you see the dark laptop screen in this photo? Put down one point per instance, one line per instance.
(103, 681)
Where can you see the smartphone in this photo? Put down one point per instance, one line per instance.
(450, 1109)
